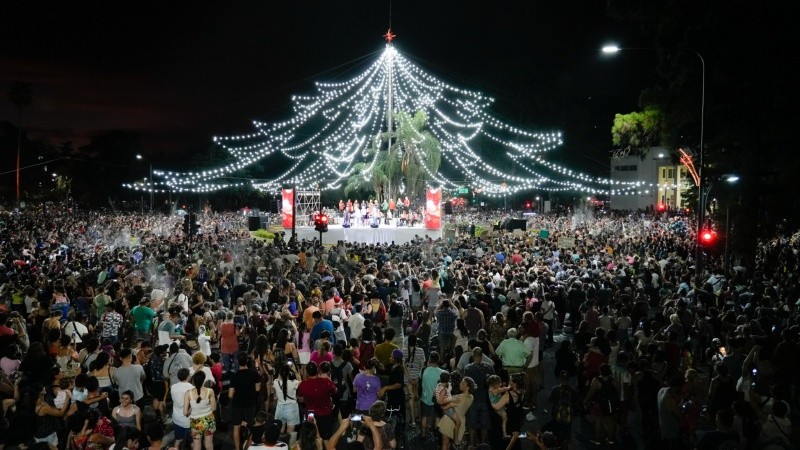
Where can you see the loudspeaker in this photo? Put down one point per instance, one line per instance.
(253, 223)
(448, 208)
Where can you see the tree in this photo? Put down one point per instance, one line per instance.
(421, 152)
(638, 130)
(20, 95)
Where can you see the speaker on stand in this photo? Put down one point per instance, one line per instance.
(253, 223)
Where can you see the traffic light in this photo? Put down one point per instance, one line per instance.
(662, 207)
(708, 237)
(321, 222)
(528, 205)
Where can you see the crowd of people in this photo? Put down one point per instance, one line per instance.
(117, 330)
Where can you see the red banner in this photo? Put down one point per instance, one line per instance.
(433, 209)
(286, 208)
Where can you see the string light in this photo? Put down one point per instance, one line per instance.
(335, 129)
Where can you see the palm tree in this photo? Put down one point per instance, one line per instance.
(20, 95)
(413, 154)
(420, 151)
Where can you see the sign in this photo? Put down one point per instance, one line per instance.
(433, 209)
(566, 242)
(545, 234)
(463, 190)
(287, 207)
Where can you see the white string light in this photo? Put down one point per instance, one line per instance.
(333, 130)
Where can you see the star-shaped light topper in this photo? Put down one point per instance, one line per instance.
(389, 36)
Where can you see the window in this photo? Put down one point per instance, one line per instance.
(671, 173)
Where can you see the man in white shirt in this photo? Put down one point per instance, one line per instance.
(356, 323)
(533, 373)
(180, 422)
(75, 330)
(548, 311)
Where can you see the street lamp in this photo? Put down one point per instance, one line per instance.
(612, 49)
(140, 157)
(729, 179)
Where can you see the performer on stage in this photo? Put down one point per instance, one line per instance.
(346, 219)
(406, 203)
(375, 216)
(341, 206)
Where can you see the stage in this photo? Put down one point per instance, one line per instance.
(382, 235)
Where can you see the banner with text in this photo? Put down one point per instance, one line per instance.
(287, 209)
(433, 209)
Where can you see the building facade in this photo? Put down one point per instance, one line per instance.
(664, 179)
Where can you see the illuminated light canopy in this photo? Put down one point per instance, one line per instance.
(333, 130)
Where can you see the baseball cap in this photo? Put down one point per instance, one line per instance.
(397, 354)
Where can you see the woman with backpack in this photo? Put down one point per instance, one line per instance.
(602, 401)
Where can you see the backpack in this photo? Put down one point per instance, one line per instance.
(563, 405)
(338, 378)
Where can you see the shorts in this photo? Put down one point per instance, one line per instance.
(239, 415)
(428, 410)
(478, 416)
(51, 439)
(204, 426)
(288, 413)
(180, 432)
(304, 357)
(158, 390)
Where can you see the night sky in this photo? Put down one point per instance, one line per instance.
(179, 73)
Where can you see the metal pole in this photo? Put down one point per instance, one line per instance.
(151, 187)
(701, 200)
(727, 236)
(294, 212)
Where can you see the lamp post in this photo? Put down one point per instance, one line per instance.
(140, 157)
(612, 49)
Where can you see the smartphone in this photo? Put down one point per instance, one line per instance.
(755, 372)
(522, 435)
(310, 417)
(289, 363)
(355, 417)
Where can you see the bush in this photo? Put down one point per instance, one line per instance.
(263, 234)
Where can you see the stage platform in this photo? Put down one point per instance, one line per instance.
(381, 235)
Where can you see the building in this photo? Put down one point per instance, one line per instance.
(664, 179)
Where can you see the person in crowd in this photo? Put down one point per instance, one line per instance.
(429, 379)
(229, 343)
(243, 396)
(366, 386)
(180, 421)
(513, 352)
(127, 414)
(317, 393)
(130, 377)
(179, 359)
(199, 404)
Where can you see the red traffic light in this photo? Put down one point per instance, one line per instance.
(708, 236)
(323, 218)
(662, 207)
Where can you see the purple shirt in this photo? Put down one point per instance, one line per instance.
(366, 388)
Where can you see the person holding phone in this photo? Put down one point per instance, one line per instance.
(287, 410)
(317, 394)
